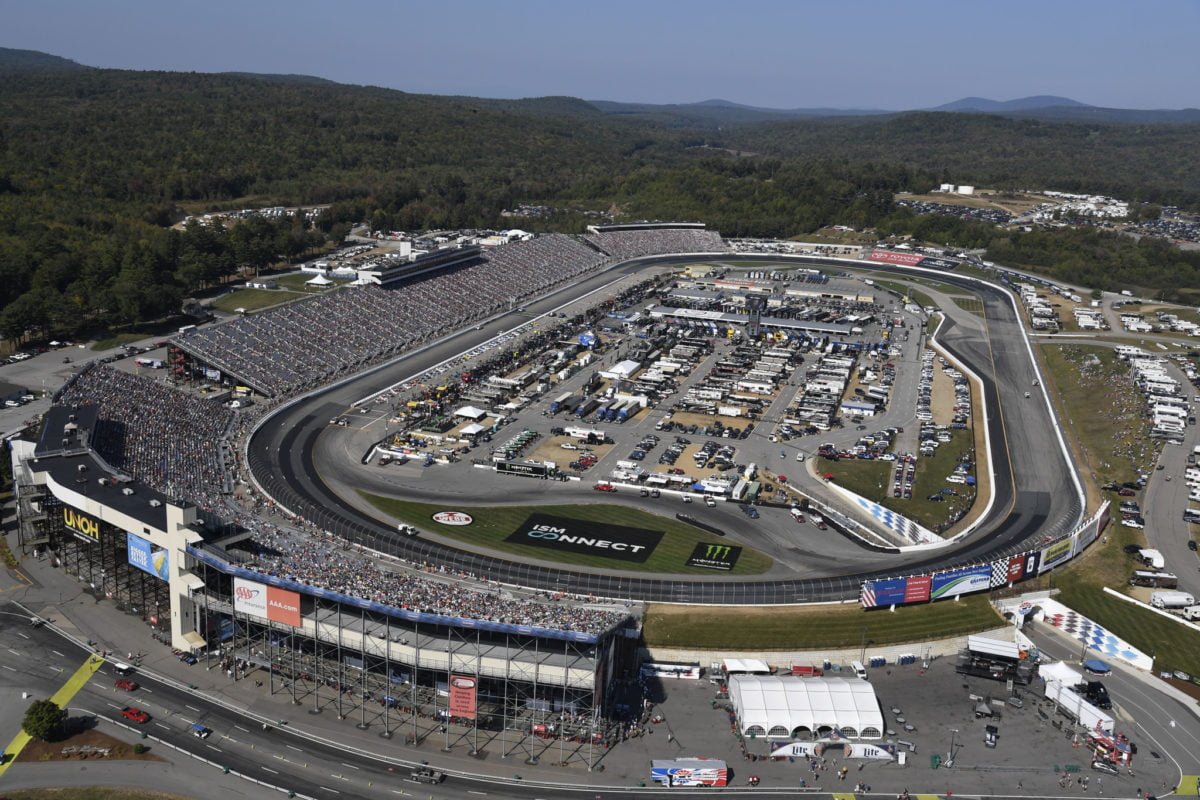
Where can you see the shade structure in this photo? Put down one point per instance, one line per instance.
(781, 706)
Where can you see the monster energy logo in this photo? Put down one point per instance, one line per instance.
(718, 551)
(714, 556)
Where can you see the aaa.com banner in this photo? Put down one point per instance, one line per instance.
(269, 602)
(462, 696)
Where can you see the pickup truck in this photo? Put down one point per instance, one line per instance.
(426, 775)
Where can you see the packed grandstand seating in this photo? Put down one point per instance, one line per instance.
(328, 564)
(171, 440)
(632, 244)
(312, 341)
(177, 443)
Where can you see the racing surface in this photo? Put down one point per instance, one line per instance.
(1035, 494)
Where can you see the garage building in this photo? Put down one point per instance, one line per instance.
(805, 709)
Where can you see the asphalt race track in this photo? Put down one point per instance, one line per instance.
(1036, 496)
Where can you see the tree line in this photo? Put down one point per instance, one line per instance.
(96, 165)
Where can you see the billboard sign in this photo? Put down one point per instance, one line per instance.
(961, 581)
(250, 597)
(714, 556)
(918, 589)
(81, 525)
(1055, 554)
(267, 602)
(453, 518)
(283, 606)
(894, 257)
(144, 556)
(590, 538)
(884, 593)
(462, 696)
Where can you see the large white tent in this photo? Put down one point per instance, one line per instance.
(806, 708)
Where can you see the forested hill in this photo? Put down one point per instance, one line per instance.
(95, 164)
(12, 60)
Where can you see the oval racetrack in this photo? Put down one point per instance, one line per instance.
(1036, 495)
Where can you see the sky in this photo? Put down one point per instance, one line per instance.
(864, 54)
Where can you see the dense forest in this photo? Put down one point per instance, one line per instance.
(96, 164)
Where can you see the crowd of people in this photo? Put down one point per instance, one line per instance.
(632, 244)
(173, 441)
(327, 562)
(186, 446)
(312, 341)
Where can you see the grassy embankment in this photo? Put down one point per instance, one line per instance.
(1102, 412)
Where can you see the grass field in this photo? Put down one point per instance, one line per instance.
(1103, 411)
(252, 299)
(813, 627)
(1109, 437)
(493, 524)
(296, 282)
(873, 480)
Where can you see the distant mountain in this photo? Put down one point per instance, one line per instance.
(289, 79)
(13, 60)
(715, 113)
(1033, 103)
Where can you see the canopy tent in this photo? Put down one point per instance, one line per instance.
(474, 429)
(319, 280)
(806, 708)
(471, 412)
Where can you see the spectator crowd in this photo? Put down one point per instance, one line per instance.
(170, 440)
(309, 342)
(633, 244)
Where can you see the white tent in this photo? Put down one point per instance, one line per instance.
(474, 429)
(806, 708)
(471, 412)
(319, 280)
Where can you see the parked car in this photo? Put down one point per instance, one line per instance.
(125, 684)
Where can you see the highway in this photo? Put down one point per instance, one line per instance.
(1036, 495)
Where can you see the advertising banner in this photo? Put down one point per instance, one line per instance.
(81, 525)
(462, 697)
(1055, 554)
(938, 263)
(714, 556)
(918, 589)
(883, 593)
(141, 554)
(249, 597)
(894, 257)
(591, 538)
(283, 606)
(961, 581)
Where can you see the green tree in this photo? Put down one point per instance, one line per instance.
(43, 719)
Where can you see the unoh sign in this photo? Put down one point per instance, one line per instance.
(77, 522)
(453, 518)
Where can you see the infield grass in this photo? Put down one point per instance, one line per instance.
(493, 524)
(253, 299)
(813, 627)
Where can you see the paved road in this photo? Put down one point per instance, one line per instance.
(1035, 495)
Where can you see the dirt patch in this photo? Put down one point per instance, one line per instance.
(90, 745)
(941, 400)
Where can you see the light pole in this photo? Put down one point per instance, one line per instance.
(950, 755)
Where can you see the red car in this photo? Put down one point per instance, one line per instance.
(604, 487)
(125, 684)
(135, 715)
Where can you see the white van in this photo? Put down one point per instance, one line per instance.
(859, 670)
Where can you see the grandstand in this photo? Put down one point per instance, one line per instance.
(312, 341)
(647, 239)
